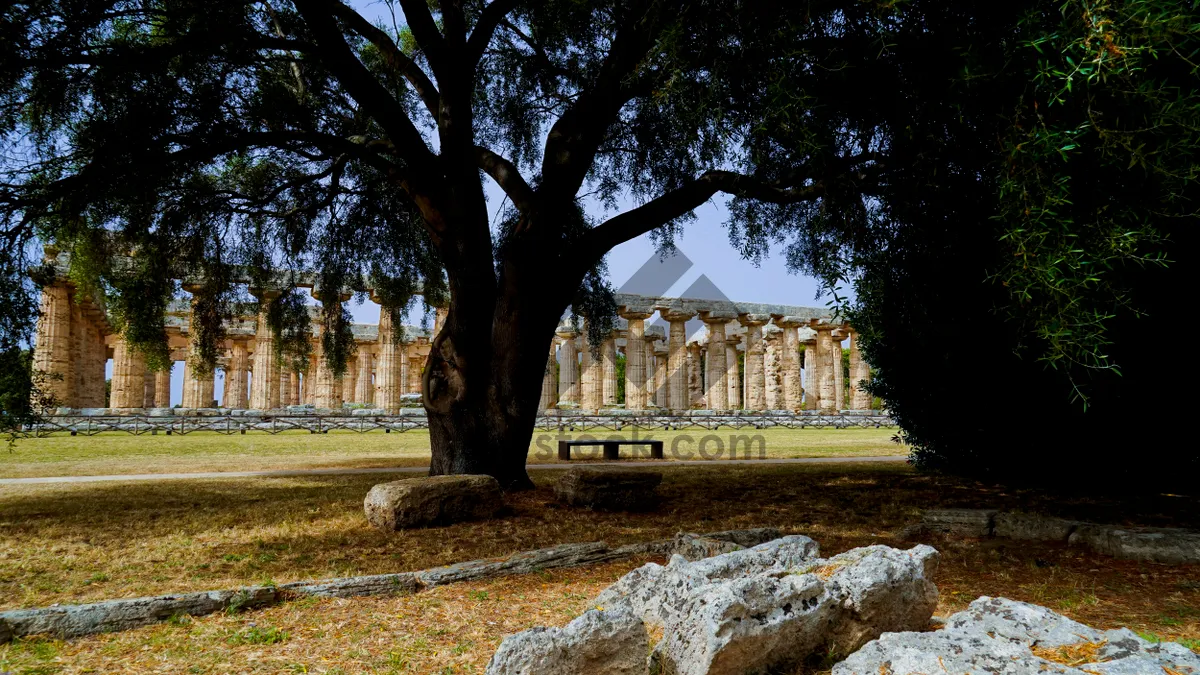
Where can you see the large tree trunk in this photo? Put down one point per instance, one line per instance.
(483, 379)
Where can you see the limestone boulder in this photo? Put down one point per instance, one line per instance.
(876, 589)
(775, 620)
(600, 642)
(998, 635)
(609, 488)
(431, 501)
(657, 593)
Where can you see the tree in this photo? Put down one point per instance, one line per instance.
(1020, 302)
(177, 138)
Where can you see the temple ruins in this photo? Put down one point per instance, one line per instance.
(747, 357)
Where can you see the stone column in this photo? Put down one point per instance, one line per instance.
(733, 379)
(388, 365)
(789, 362)
(198, 378)
(662, 384)
(147, 388)
(76, 356)
(756, 383)
(677, 359)
(288, 395)
(327, 390)
(591, 378)
(650, 387)
(635, 359)
(716, 372)
(608, 369)
(826, 396)
(860, 374)
(839, 373)
(239, 364)
(568, 367)
(128, 380)
(364, 389)
(349, 380)
(695, 356)
(812, 374)
(549, 382)
(162, 387)
(772, 372)
(52, 351)
(416, 363)
(265, 388)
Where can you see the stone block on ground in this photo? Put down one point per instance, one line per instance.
(998, 635)
(432, 500)
(609, 488)
(959, 522)
(1033, 527)
(695, 547)
(600, 642)
(773, 621)
(1164, 545)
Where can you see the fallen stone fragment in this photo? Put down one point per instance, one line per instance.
(1033, 527)
(600, 642)
(877, 589)
(609, 488)
(657, 592)
(695, 547)
(748, 537)
(959, 522)
(564, 555)
(432, 500)
(745, 626)
(775, 620)
(998, 635)
(114, 615)
(1164, 545)
(348, 587)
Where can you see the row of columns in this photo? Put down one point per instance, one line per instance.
(71, 348)
(775, 376)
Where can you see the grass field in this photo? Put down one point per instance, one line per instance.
(117, 453)
(72, 543)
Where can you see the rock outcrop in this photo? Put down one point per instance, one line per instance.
(998, 635)
(756, 609)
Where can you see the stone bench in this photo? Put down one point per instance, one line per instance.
(611, 448)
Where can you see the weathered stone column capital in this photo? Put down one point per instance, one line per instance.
(749, 320)
(788, 321)
(635, 314)
(677, 315)
(717, 316)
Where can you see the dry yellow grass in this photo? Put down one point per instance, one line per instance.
(72, 543)
(113, 453)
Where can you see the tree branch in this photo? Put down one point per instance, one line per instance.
(420, 22)
(507, 176)
(396, 59)
(574, 138)
(485, 27)
(358, 81)
(592, 246)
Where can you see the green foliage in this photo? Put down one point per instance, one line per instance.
(259, 635)
(1101, 150)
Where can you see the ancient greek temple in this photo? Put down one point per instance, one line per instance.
(679, 354)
